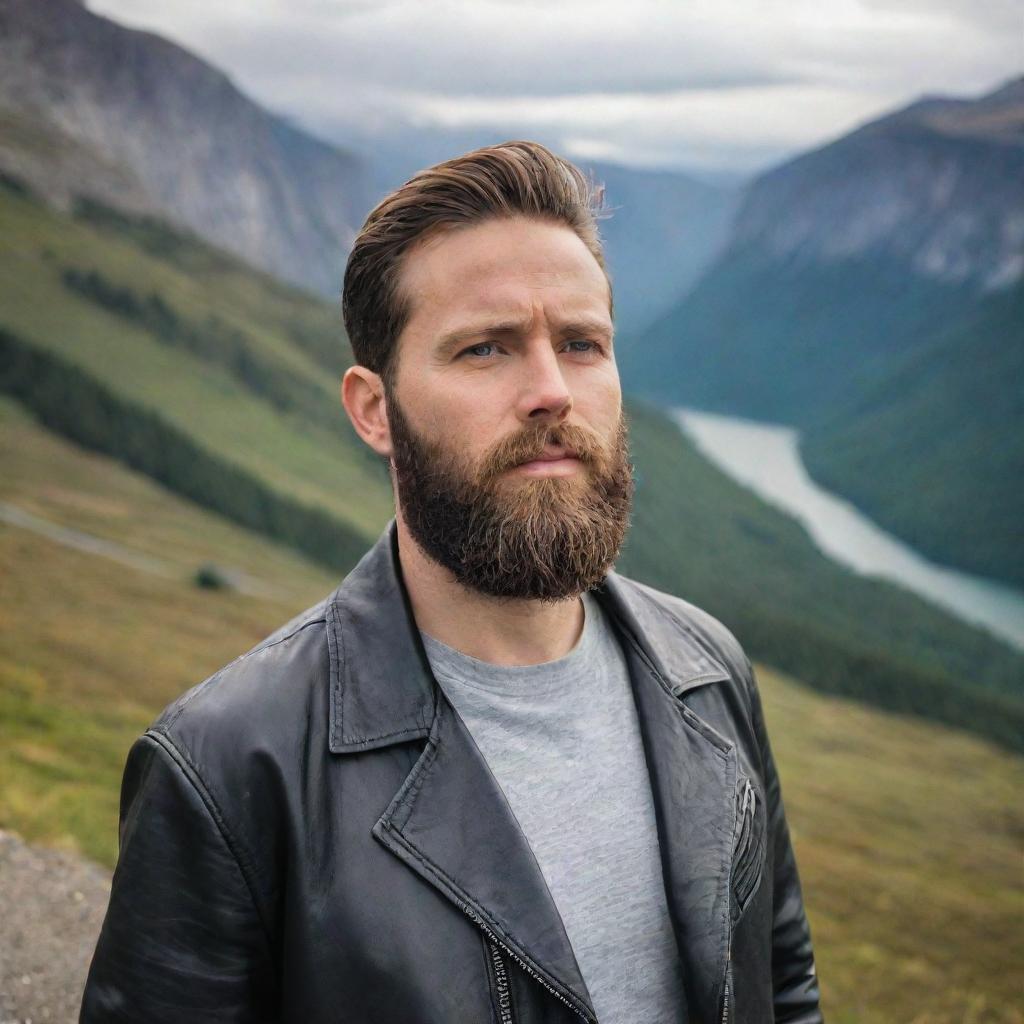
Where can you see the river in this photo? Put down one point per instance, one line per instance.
(765, 457)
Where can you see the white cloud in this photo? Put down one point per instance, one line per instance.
(721, 83)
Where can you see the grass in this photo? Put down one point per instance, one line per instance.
(908, 835)
(909, 839)
(310, 463)
(77, 489)
(90, 650)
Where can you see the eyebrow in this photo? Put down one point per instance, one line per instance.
(450, 341)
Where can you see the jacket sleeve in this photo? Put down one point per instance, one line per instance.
(794, 979)
(182, 939)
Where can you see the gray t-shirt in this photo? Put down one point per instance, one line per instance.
(563, 740)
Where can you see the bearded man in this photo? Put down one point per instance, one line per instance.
(488, 778)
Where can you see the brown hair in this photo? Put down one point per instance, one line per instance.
(513, 178)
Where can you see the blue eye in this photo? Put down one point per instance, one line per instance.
(475, 349)
(589, 345)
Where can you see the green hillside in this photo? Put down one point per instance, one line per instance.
(92, 649)
(912, 890)
(787, 341)
(697, 533)
(949, 425)
(220, 383)
(307, 452)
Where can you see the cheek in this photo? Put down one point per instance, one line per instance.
(602, 406)
(478, 415)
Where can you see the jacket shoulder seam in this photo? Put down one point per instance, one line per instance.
(264, 645)
(190, 772)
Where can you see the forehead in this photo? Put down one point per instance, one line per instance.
(501, 268)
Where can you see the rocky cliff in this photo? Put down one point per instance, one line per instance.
(935, 187)
(90, 108)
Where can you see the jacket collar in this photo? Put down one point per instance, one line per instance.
(382, 689)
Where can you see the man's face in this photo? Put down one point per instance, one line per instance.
(508, 438)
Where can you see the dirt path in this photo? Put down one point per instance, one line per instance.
(87, 542)
(51, 908)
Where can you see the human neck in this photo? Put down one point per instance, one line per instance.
(500, 631)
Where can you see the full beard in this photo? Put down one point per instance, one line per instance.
(545, 538)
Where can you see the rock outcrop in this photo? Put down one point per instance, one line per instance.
(91, 108)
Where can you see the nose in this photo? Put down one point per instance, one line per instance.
(544, 393)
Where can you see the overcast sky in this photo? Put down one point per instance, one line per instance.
(714, 85)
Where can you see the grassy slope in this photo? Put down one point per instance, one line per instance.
(312, 465)
(90, 649)
(907, 834)
(950, 429)
(908, 839)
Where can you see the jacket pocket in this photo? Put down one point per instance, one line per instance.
(750, 846)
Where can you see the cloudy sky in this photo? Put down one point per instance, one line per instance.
(719, 86)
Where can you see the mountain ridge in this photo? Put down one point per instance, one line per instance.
(948, 204)
(243, 178)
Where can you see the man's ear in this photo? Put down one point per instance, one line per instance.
(362, 394)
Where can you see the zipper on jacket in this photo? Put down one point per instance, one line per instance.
(728, 918)
(725, 999)
(501, 985)
(480, 923)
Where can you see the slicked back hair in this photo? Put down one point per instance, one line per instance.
(508, 180)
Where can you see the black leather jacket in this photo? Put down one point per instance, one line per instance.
(311, 836)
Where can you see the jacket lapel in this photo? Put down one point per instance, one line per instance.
(692, 770)
(452, 824)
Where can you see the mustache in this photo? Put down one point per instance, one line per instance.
(530, 443)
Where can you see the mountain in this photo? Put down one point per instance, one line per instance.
(844, 259)
(90, 108)
(845, 267)
(935, 188)
(664, 228)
